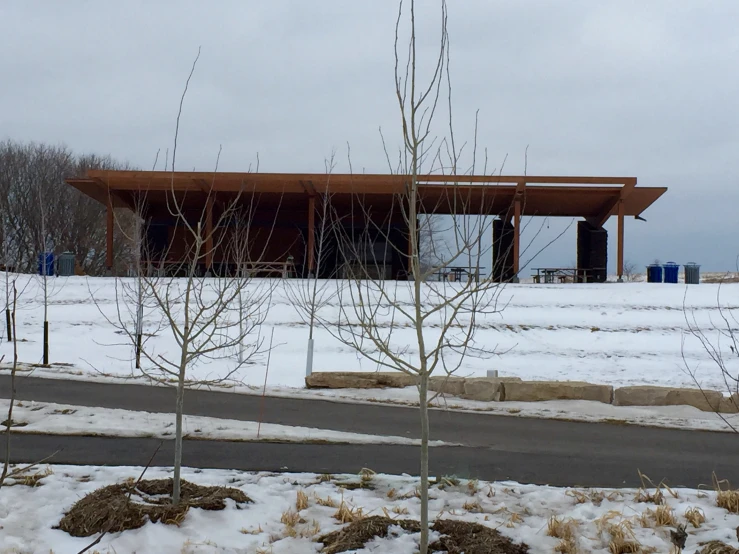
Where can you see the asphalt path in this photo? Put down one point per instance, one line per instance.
(494, 447)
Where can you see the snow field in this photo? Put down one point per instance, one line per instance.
(619, 334)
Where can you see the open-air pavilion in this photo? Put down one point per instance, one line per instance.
(286, 205)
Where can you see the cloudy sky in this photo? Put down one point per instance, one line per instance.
(614, 87)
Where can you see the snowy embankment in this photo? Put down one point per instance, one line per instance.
(281, 520)
(63, 419)
(618, 334)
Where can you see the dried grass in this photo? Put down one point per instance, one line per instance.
(30, 479)
(623, 540)
(348, 514)
(561, 528)
(328, 502)
(593, 496)
(301, 501)
(110, 508)
(657, 497)
(662, 516)
(366, 475)
(472, 506)
(392, 493)
(695, 517)
(726, 497)
(290, 518)
(400, 510)
(257, 531)
(646, 518)
(567, 546)
(717, 547)
(604, 522)
(473, 486)
(513, 520)
(448, 481)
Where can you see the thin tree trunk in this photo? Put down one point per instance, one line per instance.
(178, 437)
(138, 350)
(241, 328)
(139, 328)
(46, 343)
(424, 409)
(8, 321)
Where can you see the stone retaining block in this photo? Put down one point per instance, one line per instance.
(540, 391)
(447, 384)
(644, 395)
(486, 389)
(358, 380)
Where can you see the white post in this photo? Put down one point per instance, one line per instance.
(493, 373)
(309, 359)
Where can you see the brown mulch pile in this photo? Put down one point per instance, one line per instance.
(457, 536)
(464, 537)
(717, 547)
(109, 508)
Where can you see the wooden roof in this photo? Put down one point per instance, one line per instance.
(590, 197)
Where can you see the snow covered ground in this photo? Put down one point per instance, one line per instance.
(63, 419)
(521, 512)
(620, 334)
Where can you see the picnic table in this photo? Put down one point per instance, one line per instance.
(456, 273)
(564, 274)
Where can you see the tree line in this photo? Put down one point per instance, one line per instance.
(39, 212)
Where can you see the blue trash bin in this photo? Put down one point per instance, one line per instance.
(654, 273)
(671, 272)
(46, 263)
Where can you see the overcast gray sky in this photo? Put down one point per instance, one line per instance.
(613, 87)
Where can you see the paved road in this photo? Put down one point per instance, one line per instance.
(496, 447)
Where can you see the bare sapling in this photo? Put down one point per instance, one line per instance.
(316, 291)
(197, 308)
(6, 264)
(719, 340)
(44, 273)
(418, 326)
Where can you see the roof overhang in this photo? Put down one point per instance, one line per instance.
(594, 198)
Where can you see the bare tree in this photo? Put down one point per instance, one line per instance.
(7, 269)
(630, 272)
(720, 342)
(314, 292)
(73, 222)
(437, 320)
(197, 309)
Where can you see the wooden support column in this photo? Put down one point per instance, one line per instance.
(209, 233)
(620, 255)
(311, 234)
(516, 237)
(109, 236)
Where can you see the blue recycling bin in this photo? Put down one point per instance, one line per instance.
(671, 270)
(654, 273)
(46, 263)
